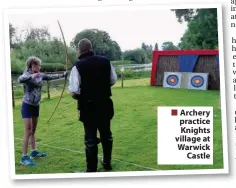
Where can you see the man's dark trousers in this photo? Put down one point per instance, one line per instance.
(97, 121)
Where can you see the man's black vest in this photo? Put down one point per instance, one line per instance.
(95, 88)
(95, 74)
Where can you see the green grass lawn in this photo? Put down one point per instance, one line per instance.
(134, 129)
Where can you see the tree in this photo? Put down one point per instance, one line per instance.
(156, 47)
(14, 39)
(168, 46)
(138, 55)
(37, 34)
(101, 42)
(12, 32)
(185, 14)
(38, 42)
(50, 52)
(202, 32)
(148, 49)
(144, 46)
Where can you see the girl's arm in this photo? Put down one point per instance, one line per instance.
(24, 77)
(27, 78)
(53, 76)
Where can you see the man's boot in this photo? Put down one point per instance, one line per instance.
(91, 151)
(107, 152)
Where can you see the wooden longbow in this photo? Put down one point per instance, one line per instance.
(66, 70)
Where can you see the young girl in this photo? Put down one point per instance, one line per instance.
(32, 80)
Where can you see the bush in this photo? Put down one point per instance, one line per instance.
(129, 74)
(52, 67)
(139, 56)
(19, 92)
(122, 62)
(17, 66)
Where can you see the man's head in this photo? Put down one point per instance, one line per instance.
(84, 45)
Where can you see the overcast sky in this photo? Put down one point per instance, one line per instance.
(128, 28)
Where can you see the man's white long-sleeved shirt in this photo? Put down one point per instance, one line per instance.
(75, 79)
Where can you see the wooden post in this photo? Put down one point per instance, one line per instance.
(48, 89)
(13, 97)
(122, 78)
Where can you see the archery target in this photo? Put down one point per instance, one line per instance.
(172, 80)
(198, 81)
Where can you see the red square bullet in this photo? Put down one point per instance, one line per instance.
(174, 112)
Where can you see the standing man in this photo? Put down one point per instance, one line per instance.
(90, 83)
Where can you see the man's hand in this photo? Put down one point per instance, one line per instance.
(65, 74)
(75, 96)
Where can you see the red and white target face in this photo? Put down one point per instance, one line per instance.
(197, 81)
(172, 80)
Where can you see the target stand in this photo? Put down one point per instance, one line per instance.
(172, 80)
(198, 81)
